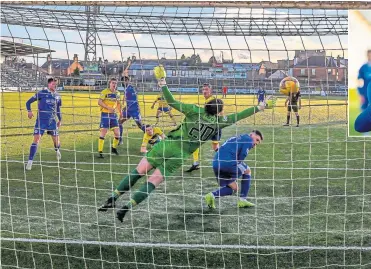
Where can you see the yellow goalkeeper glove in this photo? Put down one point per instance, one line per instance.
(269, 103)
(159, 72)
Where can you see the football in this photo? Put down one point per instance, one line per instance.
(289, 85)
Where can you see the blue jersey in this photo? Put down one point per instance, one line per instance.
(261, 94)
(365, 75)
(234, 150)
(49, 105)
(131, 98)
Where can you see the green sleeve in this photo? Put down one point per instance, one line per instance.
(181, 107)
(233, 118)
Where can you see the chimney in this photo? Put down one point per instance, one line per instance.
(338, 61)
(49, 67)
(75, 58)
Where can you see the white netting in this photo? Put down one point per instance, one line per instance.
(310, 184)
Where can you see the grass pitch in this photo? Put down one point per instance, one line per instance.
(310, 187)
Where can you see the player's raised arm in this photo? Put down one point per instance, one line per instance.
(160, 75)
(225, 121)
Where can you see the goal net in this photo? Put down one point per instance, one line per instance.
(310, 184)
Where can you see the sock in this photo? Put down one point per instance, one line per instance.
(33, 150)
(121, 127)
(196, 157)
(115, 142)
(126, 183)
(288, 119)
(56, 147)
(100, 144)
(223, 191)
(297, 119)
(157, 118)
(245, 185)
(141, 194)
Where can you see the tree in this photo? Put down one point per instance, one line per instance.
(183, 57)
(76, 72)
(198, 59)
(212, 60)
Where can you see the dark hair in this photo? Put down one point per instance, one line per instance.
(113, 79)
(51, 80)
(257, 132)
(147, 126)
(206, 84)
(369, 51)
(214, 107)
(125, 78)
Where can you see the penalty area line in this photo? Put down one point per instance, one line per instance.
(183, 246)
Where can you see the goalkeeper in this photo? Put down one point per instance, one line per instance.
(199, 125)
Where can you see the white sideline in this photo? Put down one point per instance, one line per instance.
(193, 246)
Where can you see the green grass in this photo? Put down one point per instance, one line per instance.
(310, 188)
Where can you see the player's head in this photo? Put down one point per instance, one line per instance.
(113, 84)
(257, 137)
(125, 80)
(214, 107)
(369, 55)
(149, 129)
(52, 84)
(207, 90)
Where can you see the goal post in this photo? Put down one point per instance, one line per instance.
(309, 183)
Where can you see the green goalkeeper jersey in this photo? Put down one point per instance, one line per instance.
(198, 127)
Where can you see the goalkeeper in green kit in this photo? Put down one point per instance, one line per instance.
(198, 126)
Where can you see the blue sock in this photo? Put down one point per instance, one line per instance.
(33, 150)
(121, 127)
(245, 185)
(223, 191)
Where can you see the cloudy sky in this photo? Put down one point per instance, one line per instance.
(119, 46)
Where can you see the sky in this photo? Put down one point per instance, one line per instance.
(119, 46)
(359, 42)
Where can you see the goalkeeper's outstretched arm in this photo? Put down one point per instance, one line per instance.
(233, 118)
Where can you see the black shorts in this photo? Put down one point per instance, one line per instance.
(293, 107)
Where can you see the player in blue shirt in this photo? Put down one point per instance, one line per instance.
(363, 121)
(261, 95)
(49, 107)
(228, 166)
(364, 79)
(131, 109)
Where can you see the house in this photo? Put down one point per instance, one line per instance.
(320, 68)
(278, 75)
(267, 68)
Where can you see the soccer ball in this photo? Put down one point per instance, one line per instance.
(289, 85)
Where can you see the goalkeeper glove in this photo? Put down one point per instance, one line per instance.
(269, 103)
(160, 75)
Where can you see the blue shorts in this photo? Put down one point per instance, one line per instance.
(228, 172)
(50, 126)
(163, 109)
(217, 137)
(260, 99)
(108, 121)
(132, 113)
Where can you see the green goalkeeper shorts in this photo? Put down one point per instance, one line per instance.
(167, 156)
